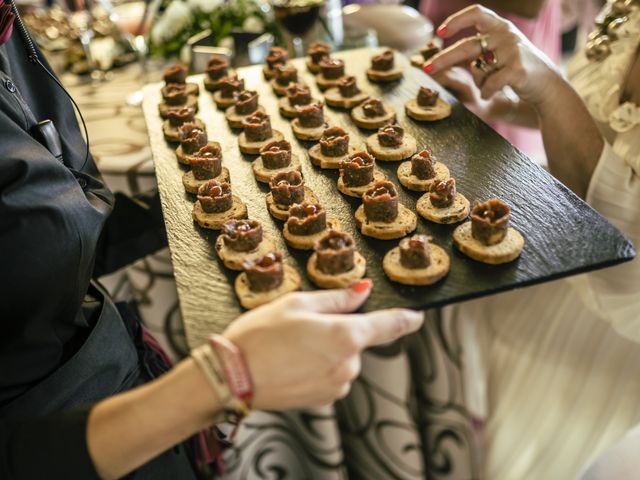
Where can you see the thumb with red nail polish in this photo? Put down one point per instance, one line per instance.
(441, 31)
(362, 285)
(428, 68)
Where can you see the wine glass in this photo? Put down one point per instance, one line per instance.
(297, 17)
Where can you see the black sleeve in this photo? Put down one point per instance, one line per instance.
(134, 229)
(48, 447)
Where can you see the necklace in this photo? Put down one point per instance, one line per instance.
(607, 27)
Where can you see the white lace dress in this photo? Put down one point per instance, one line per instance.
(556, 368)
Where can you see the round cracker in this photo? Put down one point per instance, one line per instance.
(281, 212)
(368, 123)
(392, 154)
(417, 60)
(182, 157)
(264, 174)
(341, 280)
(253, 148)
(249, 299)
(281, 90)
(233, 260)
(384, 76)
(286, 109)
(306, 242)
(172, 134)
(235, 119)
(440, 110)
(406, 222)
(334, 98)
(506, 251)
(221, 102)
(163, 108)
(325, 83)
(437, 269)
(359, 190)
(214, 85)
(456, 212)
(303, 133)
(214, 221)
(191, 184)
(417, 185)
(323, 161)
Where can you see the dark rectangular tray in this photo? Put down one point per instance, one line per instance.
(564, 236)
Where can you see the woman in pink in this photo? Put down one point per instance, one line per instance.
(540, 23)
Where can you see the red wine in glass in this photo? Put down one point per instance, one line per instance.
(297, 17)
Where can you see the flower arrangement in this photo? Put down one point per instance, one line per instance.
(182, 19)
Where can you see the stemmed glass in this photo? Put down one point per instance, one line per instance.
(297, 17)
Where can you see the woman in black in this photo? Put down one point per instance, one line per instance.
(67, 351)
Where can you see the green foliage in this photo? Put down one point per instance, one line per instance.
(221, 21)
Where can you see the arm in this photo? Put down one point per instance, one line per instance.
(317, 359)
(302, 350)
(160, 416)
(112, 437)
(571, 138)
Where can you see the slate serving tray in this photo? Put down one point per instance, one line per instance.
(564, 236)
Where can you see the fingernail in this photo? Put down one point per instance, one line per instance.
(362, 285)
(442, 31)
(427, 67)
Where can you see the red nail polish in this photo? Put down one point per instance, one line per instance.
(362, 285)
(442, 31)
(427, 67)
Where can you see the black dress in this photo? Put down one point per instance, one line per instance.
(63, 342)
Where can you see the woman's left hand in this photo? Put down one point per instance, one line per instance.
(518, 63)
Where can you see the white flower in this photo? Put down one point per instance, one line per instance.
(174, 19)
(253, 24)
(206, 6)
(226, 42)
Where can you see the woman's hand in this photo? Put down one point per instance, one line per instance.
(304, 349)
(520, 65)
(571, 138)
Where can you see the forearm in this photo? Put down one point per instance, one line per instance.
(571, 138)
(128, 430)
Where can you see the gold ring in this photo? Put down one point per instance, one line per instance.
(483, 39)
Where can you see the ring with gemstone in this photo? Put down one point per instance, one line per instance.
(487, 62)
(490, 57)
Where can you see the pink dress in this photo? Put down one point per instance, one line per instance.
(544, 32)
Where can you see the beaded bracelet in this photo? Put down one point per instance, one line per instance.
(225, 369)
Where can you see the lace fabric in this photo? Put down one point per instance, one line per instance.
(600, 85)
